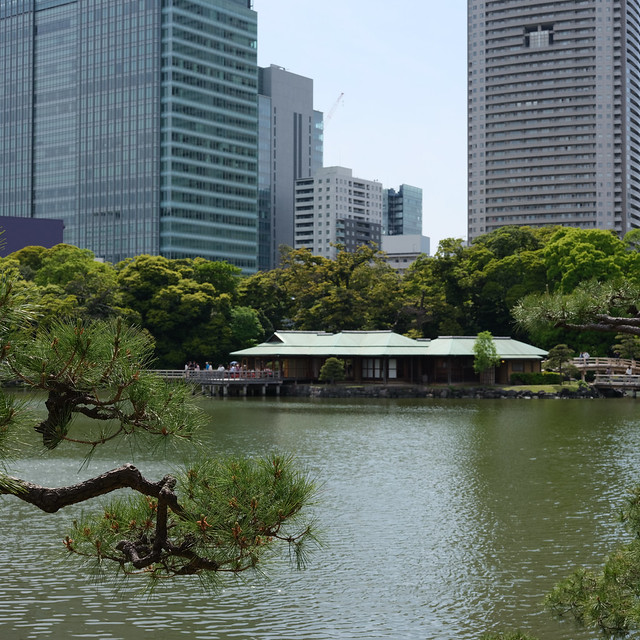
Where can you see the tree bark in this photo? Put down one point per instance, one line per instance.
(51, 500)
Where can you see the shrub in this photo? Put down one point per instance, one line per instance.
(332, 370)
(536, 378)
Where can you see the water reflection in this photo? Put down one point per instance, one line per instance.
(441, 520)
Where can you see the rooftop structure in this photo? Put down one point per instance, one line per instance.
(402, 251)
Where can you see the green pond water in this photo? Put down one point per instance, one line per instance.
(441, 520)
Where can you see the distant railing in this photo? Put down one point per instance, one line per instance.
(604, 364)
(618, 381)
(217, 377)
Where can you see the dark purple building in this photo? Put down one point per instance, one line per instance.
(25, 232)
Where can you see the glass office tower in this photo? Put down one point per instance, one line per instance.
(554, 114)
(135, 122)
(402, 211)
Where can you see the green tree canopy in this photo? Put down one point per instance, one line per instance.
(575, 255)
(177, 301)
(485, 352)
(559, 356)
(357, 290)
(627, 346)
(464, 290)
(246, 329)
(69, 282)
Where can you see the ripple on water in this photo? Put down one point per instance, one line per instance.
(440, 520)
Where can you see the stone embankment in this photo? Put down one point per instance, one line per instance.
(418, 391)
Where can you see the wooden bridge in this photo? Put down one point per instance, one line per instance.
(213, 382)
(617, 382)
(607, 365)
(612, 374)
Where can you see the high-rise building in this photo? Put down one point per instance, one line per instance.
(333, 208)
(553, 114)
(402, 211)
(136, 123)
(291, 147)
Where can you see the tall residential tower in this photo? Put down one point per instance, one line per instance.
(553, 114)
(136, 123)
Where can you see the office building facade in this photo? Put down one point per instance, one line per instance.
(553, 114)
(402, 211)
(291, 147)
(334, 208)
(136, 123)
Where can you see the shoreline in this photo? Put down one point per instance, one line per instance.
(425, 391)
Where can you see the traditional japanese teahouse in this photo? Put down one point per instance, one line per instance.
(450, 360)
(384, 357)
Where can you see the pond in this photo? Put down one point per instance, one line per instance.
(440, 519)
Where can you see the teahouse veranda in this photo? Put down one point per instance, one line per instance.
(385, 357)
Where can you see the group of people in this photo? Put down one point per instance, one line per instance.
(195, 366)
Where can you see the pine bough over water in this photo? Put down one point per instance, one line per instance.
(216, 516)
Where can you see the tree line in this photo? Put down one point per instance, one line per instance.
(198, 310)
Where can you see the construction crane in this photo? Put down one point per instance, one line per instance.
(336, 104)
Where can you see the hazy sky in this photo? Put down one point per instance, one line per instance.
(402, 68)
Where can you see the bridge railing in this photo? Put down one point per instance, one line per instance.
(602, 364)
(617, 380)
(215, 376)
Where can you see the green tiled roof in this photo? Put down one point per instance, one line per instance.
(507, 348)
(379, 343)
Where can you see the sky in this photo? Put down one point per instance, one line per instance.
(402, 69)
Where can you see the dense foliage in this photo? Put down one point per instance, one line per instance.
(198, 310)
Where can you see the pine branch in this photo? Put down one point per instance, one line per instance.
(51, 500)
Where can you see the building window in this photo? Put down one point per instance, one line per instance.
(372, 368)
(538, 36)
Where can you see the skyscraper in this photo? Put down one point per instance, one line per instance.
(136, 123)
(553, 114)
(402, 211)
(291, 147)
